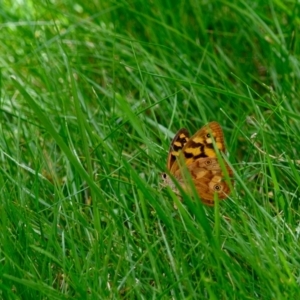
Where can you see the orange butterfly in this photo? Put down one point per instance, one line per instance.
(200, 157)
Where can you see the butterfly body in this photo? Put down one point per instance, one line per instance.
(198, 154)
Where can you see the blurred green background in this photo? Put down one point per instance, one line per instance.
(91, 94)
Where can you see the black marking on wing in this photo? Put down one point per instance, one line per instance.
(188, 155)
(201, 155)
(176, 148)
(210, 145)
(193, 144)
(177, 144)
(193, 154)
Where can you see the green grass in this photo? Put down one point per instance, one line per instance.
(91, 93)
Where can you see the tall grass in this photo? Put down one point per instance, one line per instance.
(91, 93)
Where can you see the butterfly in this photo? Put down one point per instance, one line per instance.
(199, 155)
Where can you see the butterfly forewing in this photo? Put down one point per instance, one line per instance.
(201, 144)
(177, 144)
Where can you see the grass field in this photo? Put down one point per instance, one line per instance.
(91, 94)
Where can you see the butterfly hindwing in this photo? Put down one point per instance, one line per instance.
(208, 178)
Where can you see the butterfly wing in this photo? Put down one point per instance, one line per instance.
(200, 157)
(208, 177)
(177, 144)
